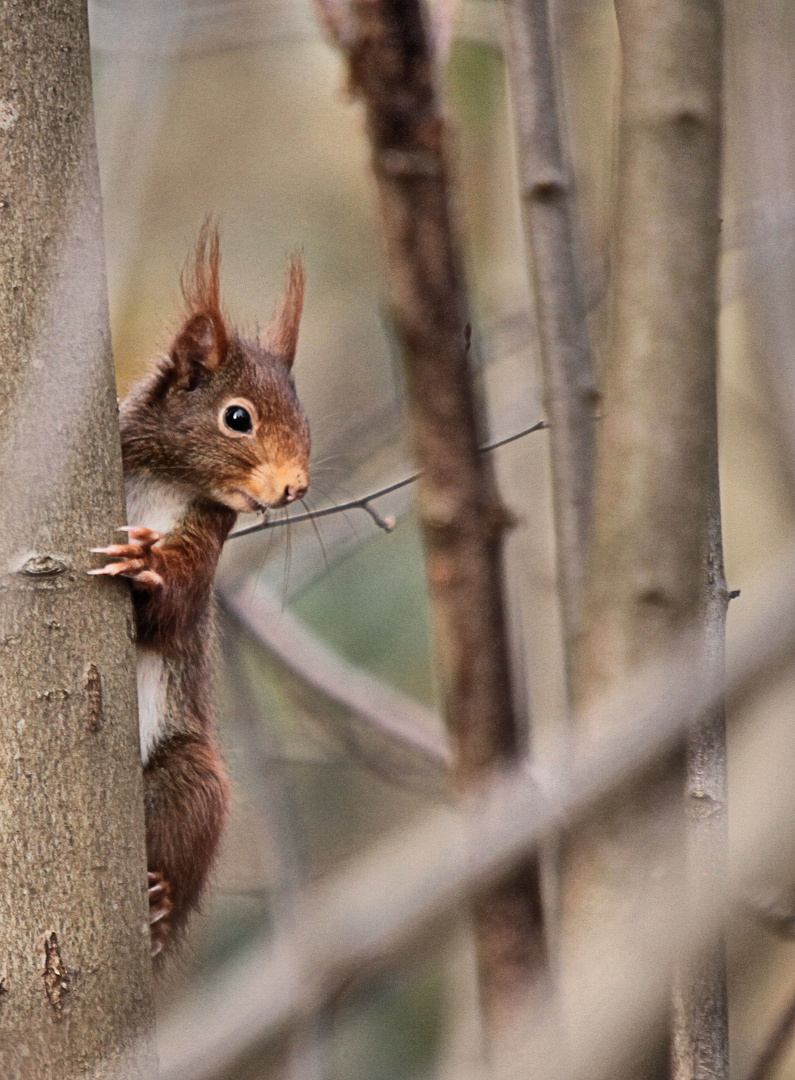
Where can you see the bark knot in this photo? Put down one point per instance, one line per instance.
(92, 684)
(43, 566)
(56, 977)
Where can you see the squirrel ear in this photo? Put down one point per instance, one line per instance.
(202, 343)
(282, 335)
(199, 349)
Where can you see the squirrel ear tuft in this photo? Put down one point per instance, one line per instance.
(282, 335)
(202, 343)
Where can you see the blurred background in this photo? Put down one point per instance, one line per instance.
(238, 109)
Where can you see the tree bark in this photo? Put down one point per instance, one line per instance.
(655, 441)
(700, 1029)
(550, 222)
(74, 933)
(391, 67)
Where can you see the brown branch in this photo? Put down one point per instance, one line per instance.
(391, 68)
(550, 220)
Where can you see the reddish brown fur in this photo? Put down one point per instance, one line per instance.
(282, 336)
(171, 435)
(187, 802)
(186, 561)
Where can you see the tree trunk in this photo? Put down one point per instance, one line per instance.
(74, 934)
(655, 442)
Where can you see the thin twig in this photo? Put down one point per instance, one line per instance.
(387, 524)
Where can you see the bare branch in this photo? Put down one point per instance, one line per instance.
(657, 436)
(407, 746)
(392, 68)
(335, 18)
(551, 229)
(387, 524)
(700, 1015)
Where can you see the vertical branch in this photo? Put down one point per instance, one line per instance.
(550, 228)
(656, 442)
(700, 1036)
(74, 926)
(391, 67)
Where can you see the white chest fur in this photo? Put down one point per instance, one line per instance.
(157, 506)
(153, 504)
(152, 690)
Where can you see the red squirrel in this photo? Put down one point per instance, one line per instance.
(213, 429)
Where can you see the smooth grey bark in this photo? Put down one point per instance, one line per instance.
(74, 934)
(656, 445)
(550, 222)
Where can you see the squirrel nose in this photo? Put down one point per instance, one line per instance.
(293, 492)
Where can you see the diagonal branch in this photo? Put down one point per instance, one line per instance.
(363, 503)
(408, 748)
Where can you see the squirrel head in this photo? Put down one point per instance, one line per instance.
(220, 414)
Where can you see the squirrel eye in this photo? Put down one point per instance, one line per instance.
(238, 419)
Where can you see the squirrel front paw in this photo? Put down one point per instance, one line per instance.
(135, 558)
(160, 907)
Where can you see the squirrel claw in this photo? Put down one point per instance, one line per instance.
(145, 537)
(160, 907)
(133, 557)
(147, 577)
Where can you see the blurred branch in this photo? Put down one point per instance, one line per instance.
(776, 1044)
(406, 746)
(386, 897)
(387, 524)
(391, 67)
(550, 218)
(300, 1055)
(700, 1045)
(760, 123)
(654, 476)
